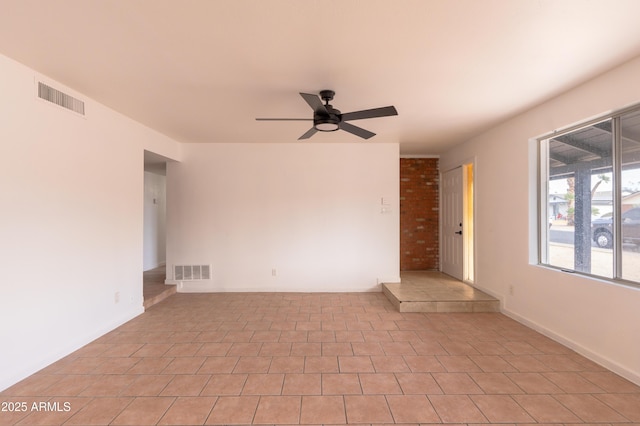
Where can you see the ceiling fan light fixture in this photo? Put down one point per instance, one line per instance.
(326, 125)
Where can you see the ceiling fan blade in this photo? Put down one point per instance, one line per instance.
(312, 131)
(315, 103)
(358, 131)
(370, 113)
(284, 119)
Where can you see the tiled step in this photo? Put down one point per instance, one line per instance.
(171, 289)
(429, 291)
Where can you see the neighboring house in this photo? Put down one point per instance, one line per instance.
(601, 204)
(630, 201)
(558, 206)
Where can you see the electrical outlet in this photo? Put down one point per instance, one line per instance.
(116, 297)
(511, 290)
(274, 272)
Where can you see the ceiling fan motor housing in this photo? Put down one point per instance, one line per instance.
(327, 123)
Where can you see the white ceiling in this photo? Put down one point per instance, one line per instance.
(203, 70)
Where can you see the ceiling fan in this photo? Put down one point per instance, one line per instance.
(328, 119)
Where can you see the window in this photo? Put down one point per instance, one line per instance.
(590, 198)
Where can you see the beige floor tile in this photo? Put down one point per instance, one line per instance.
(188, 411)
(322, 410)
(589, 409)
(572, 382)
(424, 364)
(218, 364)
(341, 384)
(335, 349)
(379, 383)
(287, 364)
(253, 364)
(263, 384)
(389, 364)
(501, 409)
(321, 336)
(293, 336)
(278, 410)
(183, 349)
(545, 409)
(321, 364)
(99, 411)
(367, 348)
(626, 404)
(108, 385)
(495, 383)
(150, 365)
(148, 385)
(213, 349)
(302, 384)
(275, 349)
(355, 364)
(457, 383)
(456, 409)
(144, 411)
(233, 410)
(306, 349)
(610, 382)
(533, 383)
(492, 363)
(71, 385)
(184, 365)
(186, 385)
(238, 336)
(152, 350)
(418, 383)
(412, 409)
(224, 384)
(42, 411)
(367, 409)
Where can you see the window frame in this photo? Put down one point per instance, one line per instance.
(543, 234)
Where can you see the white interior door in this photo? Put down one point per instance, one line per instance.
(452, 219)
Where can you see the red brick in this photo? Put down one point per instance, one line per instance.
(419, 214)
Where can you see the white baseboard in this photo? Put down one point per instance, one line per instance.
(206, 286)
(604, 361)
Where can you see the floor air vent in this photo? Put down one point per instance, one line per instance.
(57, 97)
(191, 272)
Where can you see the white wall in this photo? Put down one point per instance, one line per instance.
(596, 318)
(154, 220)
(310, 211)
(71, 222)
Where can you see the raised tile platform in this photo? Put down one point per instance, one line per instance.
(432, 291)
(154, 288)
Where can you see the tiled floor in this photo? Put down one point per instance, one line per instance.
(278, 358)
(433, 291)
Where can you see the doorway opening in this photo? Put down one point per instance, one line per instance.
(468, 251)
(154, 234)
(458, 243)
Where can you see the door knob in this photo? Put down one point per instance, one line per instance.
(459, 232)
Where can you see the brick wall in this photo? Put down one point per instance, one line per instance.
(419, 214)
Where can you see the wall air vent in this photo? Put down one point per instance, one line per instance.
(191, 272)
(59, 98)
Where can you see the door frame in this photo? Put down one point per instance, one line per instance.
(469, 173)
